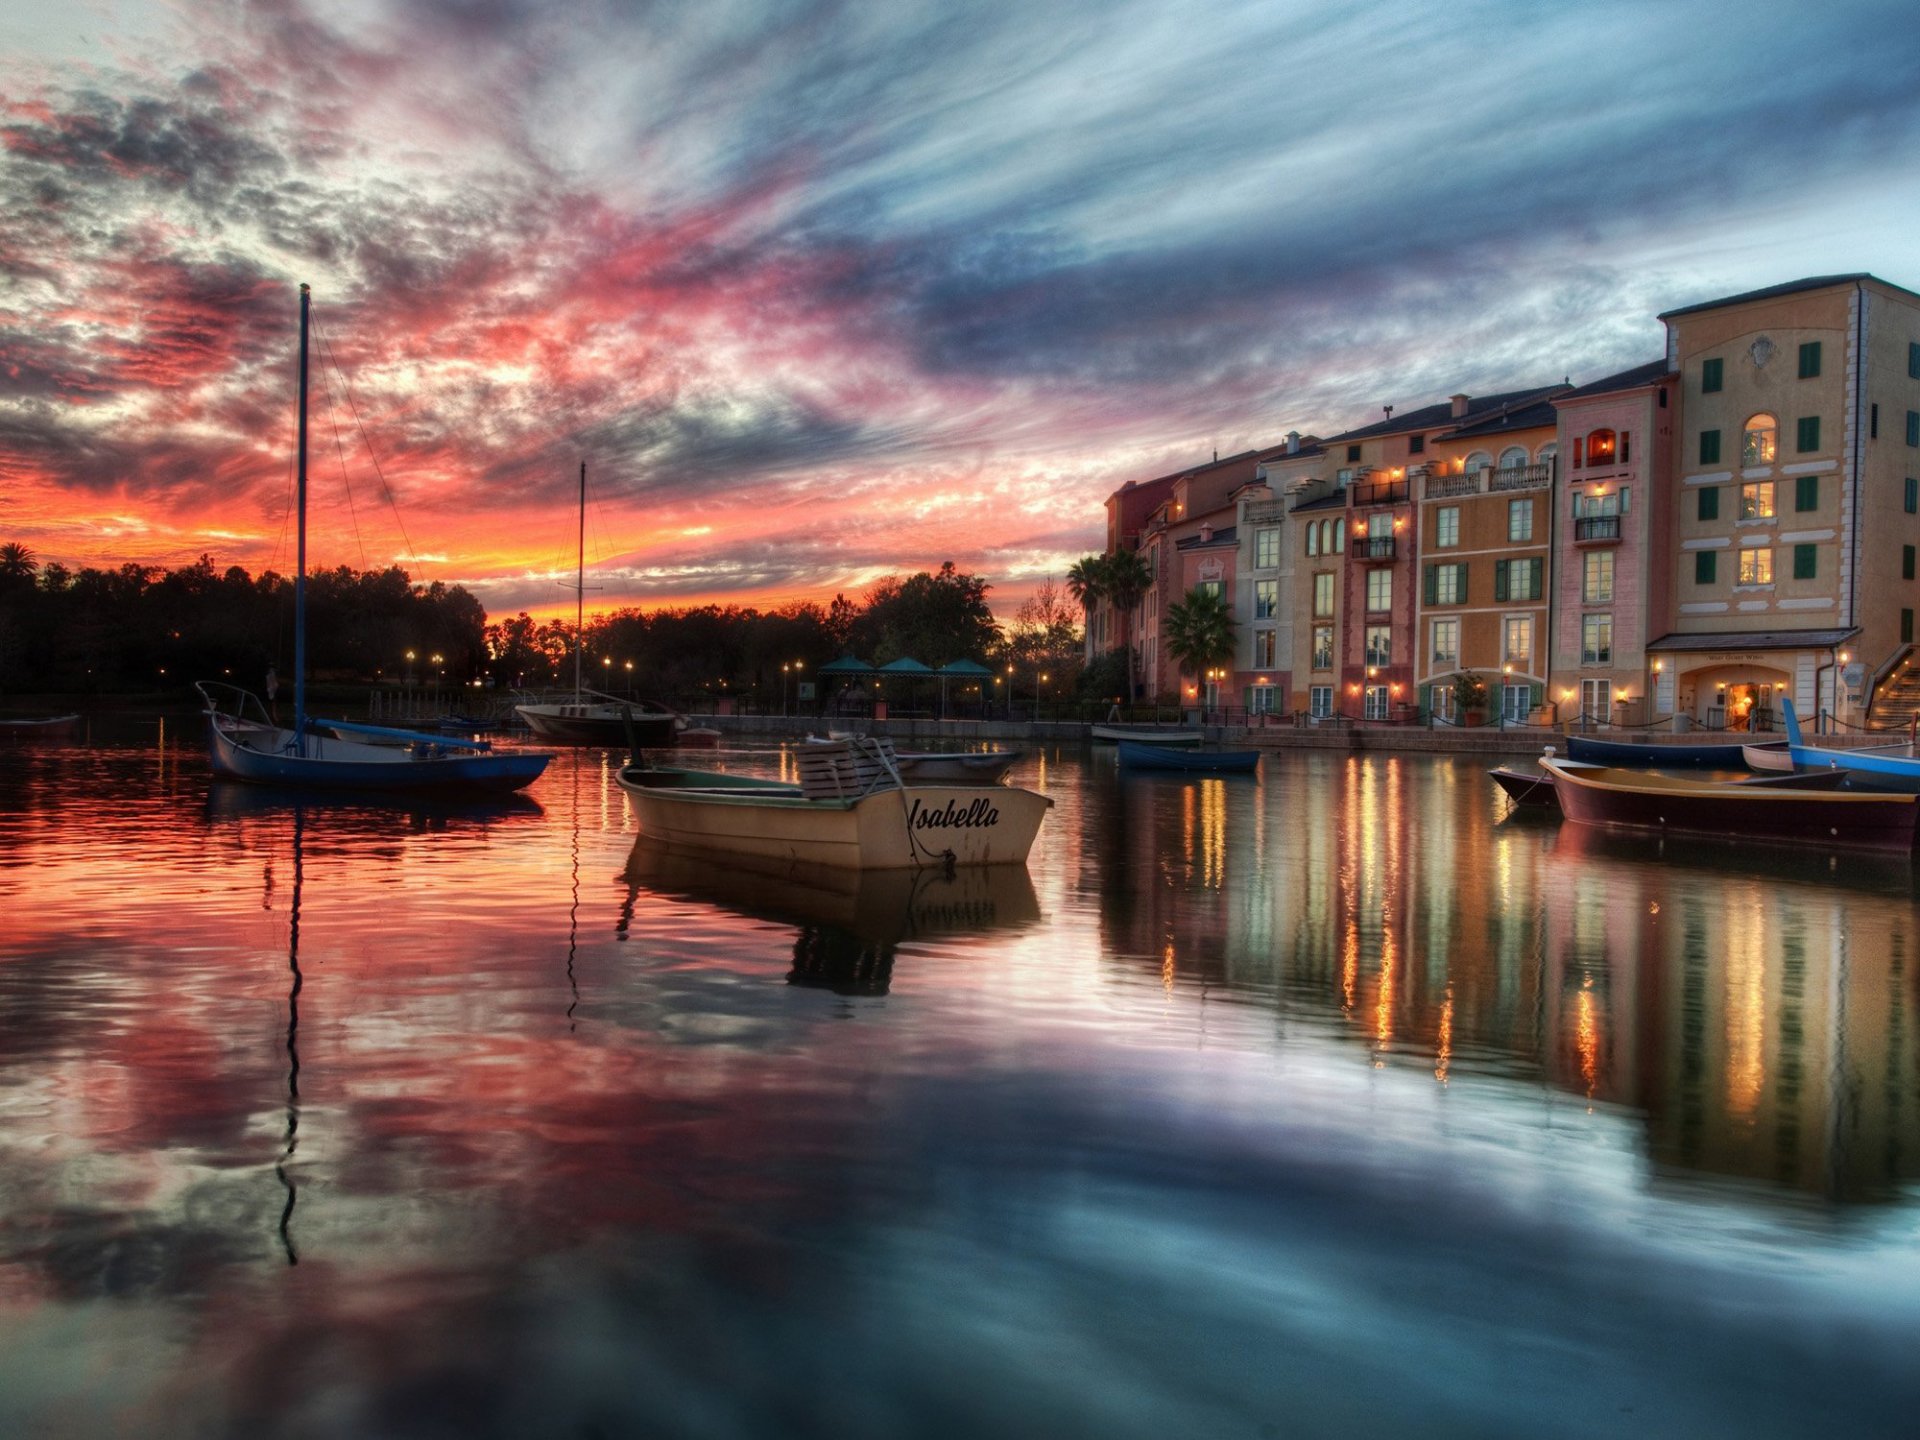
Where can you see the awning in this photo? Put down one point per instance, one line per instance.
(1754, 640)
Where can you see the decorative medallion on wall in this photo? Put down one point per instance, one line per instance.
(1762, 351)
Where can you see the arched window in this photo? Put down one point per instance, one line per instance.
(1600, 449)
(1479, 460)
(1548, 452)
(1313, 537)
(1339, 535)
(1757, 448)
(1514, 457)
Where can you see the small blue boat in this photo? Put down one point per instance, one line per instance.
(1892, 768)
(1135, 755)
(1626, 754)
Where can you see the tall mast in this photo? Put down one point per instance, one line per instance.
(300, 572)
(580, 588)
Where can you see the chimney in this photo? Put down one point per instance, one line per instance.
(1293, 442)
(1459, 405)
(1206, 533)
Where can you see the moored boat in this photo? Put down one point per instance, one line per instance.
(1774, 757)
(938, 767)
(1891, 768)
(590, 718)
(1650, 755)
(1532, 788)
(849, 811)
(1640, 800)
(39, 727)
(1137, 755)
(246, 741)
(1147, 734)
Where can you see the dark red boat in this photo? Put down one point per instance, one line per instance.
(1641, 800)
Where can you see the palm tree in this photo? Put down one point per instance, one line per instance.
(1200, 632)
(1126, 580)
(16, 562)
(1087, 583)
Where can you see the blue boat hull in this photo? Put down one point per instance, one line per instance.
(1136, 756)
(1622, 754)
(264, 757)
(1865, 769)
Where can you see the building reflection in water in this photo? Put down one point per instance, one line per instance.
(1755, 1007)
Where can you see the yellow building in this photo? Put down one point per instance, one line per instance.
(1797, 510)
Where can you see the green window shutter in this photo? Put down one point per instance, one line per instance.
(1913, 360)
(1906, 562)
(1809, 433)
(1913, 427)
(1703, 567)
(1461, 593)
(1913, 495)
(1430, 585)
(1803, 562)
(1500, 579)
(1710, 376)
(1536, 696)
(1426, 701)
(1536, 578)
(1906, 627)
(1710, 503)
(1806, 492)
(1709, 447)
(1810, 360)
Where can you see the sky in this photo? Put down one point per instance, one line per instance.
(829, 290)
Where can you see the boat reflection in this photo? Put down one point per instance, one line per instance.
(417, 814)
(849, 923)
(1747, 857)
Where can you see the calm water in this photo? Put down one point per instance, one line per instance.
(1328, 1103)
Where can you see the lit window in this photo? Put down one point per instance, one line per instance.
(1446, 527)
(1323, 647)
(1519, 635)
(1446, 642)
(1596, 581)
(1756, 501)
(1756, 566)
(1379, 644)
(1263, 649)
(1600, 447)
(1520, 520)
(1323, 593)
(1596, 640)
(1266, 601)
(1379, 590)
(1266, 548)
(1759, 442)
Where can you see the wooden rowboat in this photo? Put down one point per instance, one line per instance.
(1638, 800)
(1650, 756)
(850, 811)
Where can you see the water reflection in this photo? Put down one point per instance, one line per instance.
(848, 925)
(1742, 999)
(1305, 1101)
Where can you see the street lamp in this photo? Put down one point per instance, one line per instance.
(629, 665)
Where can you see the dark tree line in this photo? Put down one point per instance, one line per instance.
(145, 629)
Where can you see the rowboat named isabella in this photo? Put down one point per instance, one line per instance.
(850, 810)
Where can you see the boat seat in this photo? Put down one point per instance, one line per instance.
(847, 769)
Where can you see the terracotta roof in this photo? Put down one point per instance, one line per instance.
(1756, 640)
(1792, 287)
(1336, 501)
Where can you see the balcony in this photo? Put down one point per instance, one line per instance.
(1597, 530)
(1521, 477)
(1374, 547)
(1445, 487)
(1377, 492)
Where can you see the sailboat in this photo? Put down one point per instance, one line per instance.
(248, 743)
(592, 717)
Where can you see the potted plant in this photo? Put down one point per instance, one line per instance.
(1469, 698)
